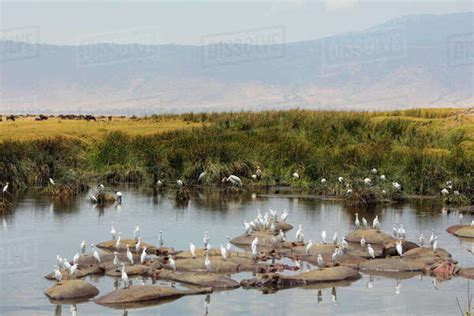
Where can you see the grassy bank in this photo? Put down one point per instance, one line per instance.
(421, 149)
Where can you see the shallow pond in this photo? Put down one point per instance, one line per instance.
(38, 229)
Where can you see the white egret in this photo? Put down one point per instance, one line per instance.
(254, 242)
(324, 236)
(435, 244)
(320, 261)
(284, 215)
(192, 249)
(159, 183)
(334, 256)
(357, 222)
(172, 263)
(376, 223)
(399, 248)
(344, 244)
(254, 176)
(308, 247)
(371, 251)
(235, 180)
(374, 170)
(118, 195)
(258, 173)
(472, 223)
(117, 243)
(444, 191)
(206, 239)
(138, 245)
(383, 177)
(129, 255)
(254, 253)
(432, 237)
(95, 253)
(83, 247)
(384, 192)
(421, 239)
(201, 176)
(248, 228)
(113, 232)
(223, 253)
(5, 188)
(228, 246)
(362, 242)
(349, 191)
(179, 183)
(125, 279)
(72, 271)
(207, 263)
(116, 261)
(323, 181)
(396, 185)
(143, 256)
(60, 261)
(460, 218)
(334, 238)
(160, 239)
(401, 232)
(136, 232)
(456, 192)
(296, 175)
(51, 181)
(367, 181)
(340, 179)
(364, 222)
(57, 274)
(75, 259)
(66, 263)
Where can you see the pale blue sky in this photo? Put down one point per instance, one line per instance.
(181, 22)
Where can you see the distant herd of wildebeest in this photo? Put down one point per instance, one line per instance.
(42, 117)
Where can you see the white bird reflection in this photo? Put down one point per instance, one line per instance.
(207, 303)
(73, 310)
(320, 296)
(370, 283)
(398, 287)
(334, 295)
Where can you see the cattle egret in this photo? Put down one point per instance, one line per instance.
(364, 222)
(371, 251)
(376, 223)
(5, 188)
(320, 261)
(384, 192)
(207, 263)
(396, 185)
(136, 232)
(444, 191)
(399, 248)
(57, 274)
(323, 181)
(113, 232)
(374, 171)
(308, 247)
(383, 177)
(192, 249)
(362, 242)
(456, 192)
(125, 279)
(367, 181)
(349, 191)
(324, 236)
(344, 244)
(83, 247)
(116, 261)
(117, 243)
(435, 244)
(432, 237)
(223, 253)
(51, 181)
(235, 180)
(66, 264)
(143, 256)
(138, 246)
(334, 238)
(206, 239)
(129, 255)
(334, 256)
(421, 239)
(284, 215)
(179, 183)
(254, 176)
(201, 176)
(72, 271)
(357, 222)
(159, 183)
(296, 175)
(75, 259)
(118, 195)
(254, 242)
(460, 218)
(95, 253)
(340, 179)
(172, 263)
(299, 234)
(228, 246)
(258, 173)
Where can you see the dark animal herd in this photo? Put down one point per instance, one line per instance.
(43, 117)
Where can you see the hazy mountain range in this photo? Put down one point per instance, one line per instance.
(414, 61)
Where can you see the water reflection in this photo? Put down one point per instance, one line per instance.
(58, 227)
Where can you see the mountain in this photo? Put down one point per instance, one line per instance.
(413, 61)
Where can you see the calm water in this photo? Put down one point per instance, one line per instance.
(38, 229)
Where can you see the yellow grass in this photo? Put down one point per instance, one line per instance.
(26, 128)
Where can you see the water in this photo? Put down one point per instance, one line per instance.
(39, 229)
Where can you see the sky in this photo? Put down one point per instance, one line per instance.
(187, 22)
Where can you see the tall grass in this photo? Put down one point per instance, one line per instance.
(420, 153)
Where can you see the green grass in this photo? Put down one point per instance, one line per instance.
(421, 149)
